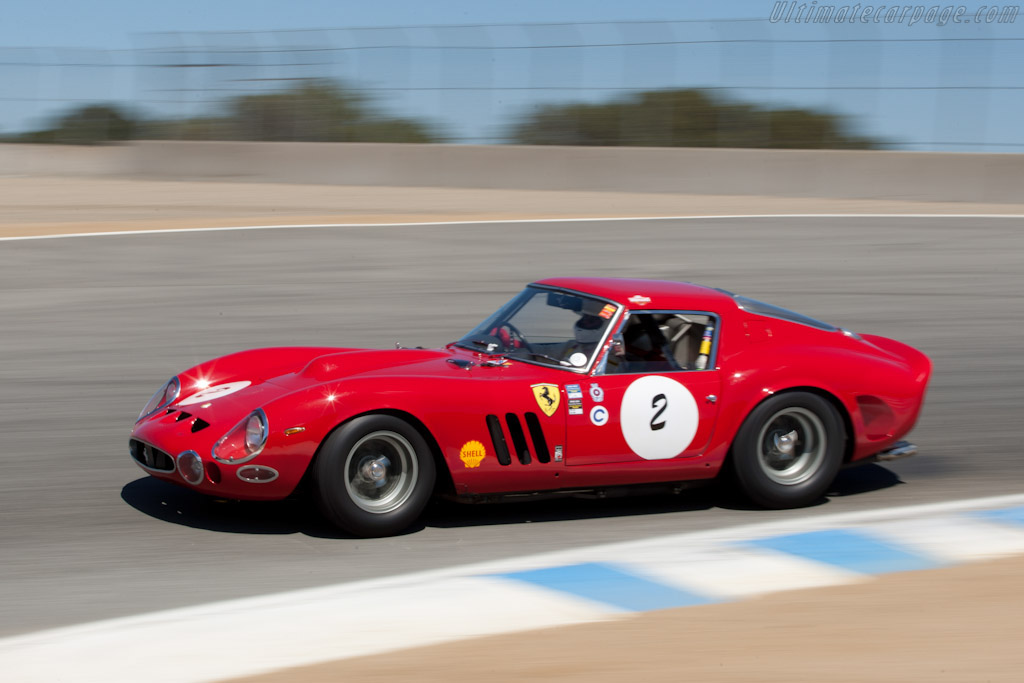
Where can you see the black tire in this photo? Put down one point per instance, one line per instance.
(373, 476)
(789, 450)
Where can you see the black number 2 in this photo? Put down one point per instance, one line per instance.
(662, 401)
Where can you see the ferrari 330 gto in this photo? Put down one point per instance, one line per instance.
(576, 384)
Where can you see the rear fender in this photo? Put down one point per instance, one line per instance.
(851, 381)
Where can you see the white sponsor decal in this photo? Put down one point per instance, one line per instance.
(214, 392)
(599, 416)
(658, 417)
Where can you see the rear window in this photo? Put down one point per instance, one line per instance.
(761, 308)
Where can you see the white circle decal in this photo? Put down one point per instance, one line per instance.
(599, 416)
(658, 417)
(216, 391)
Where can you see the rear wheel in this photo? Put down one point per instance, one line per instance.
(374, 475)
(788, 450)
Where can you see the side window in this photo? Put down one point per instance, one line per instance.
(663, 342)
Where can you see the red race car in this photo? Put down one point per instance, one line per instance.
(575, 384)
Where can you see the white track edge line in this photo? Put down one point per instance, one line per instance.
(507, 221)
(493, 566)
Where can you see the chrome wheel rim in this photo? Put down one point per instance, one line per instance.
(792, 446)
(381, 472)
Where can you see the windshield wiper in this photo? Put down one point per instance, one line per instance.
(563, 363)
(490, 347)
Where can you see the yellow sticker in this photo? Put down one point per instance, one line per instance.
(547, 396)
(472, 454)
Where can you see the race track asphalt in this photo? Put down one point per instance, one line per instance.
(89, 327)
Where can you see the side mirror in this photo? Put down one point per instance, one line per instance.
(617, 346)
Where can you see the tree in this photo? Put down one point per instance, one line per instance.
(318, 111)
(311, 111)
(89, 125)
(684, 118)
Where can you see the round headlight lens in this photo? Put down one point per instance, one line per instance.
(255, 433)
(165, 396)
(244, 441)
(190, 467)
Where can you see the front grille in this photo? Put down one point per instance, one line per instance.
(518, 437)
(152, 458)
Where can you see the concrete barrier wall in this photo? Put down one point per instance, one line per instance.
(59, 160)
(919, 176)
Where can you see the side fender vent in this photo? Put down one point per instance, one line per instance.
(540, 444)
(498, 440)
(515, 429)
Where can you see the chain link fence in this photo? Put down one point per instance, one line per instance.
(958, 87)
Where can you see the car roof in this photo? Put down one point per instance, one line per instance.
(663, 294)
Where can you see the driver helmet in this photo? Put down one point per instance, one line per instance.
(588, 329)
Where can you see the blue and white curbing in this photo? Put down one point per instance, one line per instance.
(255, 635)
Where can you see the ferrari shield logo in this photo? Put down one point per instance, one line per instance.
(547, 397)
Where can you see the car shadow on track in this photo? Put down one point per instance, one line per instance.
(178, 505)
(864, 479)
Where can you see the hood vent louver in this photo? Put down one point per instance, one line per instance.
(199, 425)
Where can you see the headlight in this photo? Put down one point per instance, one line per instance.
(164, 397)
(190, 467)
(245, 440)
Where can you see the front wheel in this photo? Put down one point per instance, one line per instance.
(374, 475)
(788, 450)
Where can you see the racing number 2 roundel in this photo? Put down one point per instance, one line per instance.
(658, 417)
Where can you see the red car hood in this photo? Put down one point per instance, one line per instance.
(224, 390)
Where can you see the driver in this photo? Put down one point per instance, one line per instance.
(587, 333)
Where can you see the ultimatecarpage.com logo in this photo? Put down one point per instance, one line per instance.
(813, 13)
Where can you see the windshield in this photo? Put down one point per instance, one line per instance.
(545, 326)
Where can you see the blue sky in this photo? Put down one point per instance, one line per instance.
(109, 23)
(888, 89)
